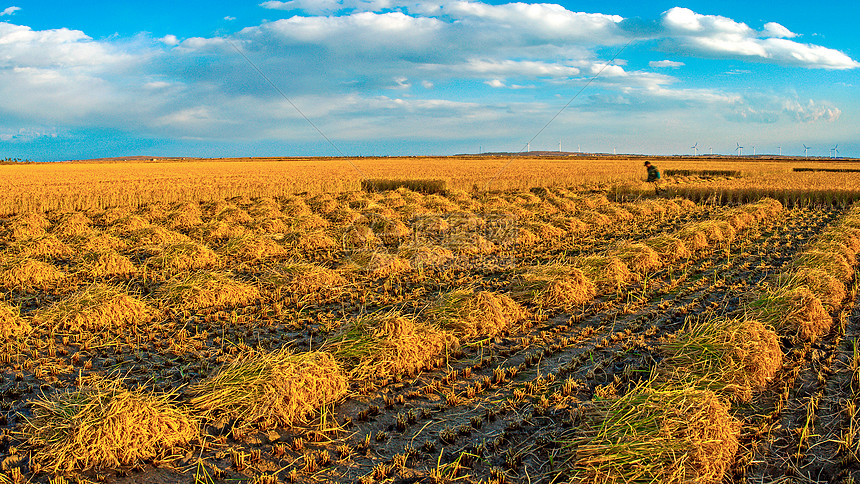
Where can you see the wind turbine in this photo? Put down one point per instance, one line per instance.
(710, 150)
(695, 149)
(753, 150)
(833, 151)
(739, 149)
(805, 151)
(780, 151)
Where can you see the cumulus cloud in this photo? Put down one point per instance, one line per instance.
(718, 36)
(773, 29)
(537, 21)
(63, 75)
(169, 40)
(770, 108)
(9, 11)
(27, 134)
(811, 111)
(401, 83)
(390, 35)
(665, 63)
(59, 48)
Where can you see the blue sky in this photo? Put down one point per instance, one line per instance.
(388, 77)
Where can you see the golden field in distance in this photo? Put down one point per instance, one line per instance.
(93, 185)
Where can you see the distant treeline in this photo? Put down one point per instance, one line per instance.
(703, 173)
(832, 170)
(14, 161)
(420, 186)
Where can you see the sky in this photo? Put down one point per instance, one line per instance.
(392, 77)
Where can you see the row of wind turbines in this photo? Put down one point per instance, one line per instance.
(834, 152)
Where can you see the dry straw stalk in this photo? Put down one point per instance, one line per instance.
(181, 257)
(470, 314)
(21, 273)
(97, 307)
(378, 264)
(11, 322)
(639, 257)
(734, 357)
(608, 273)
(271, 388)
(252, 247)
(422, 257)
(792, 311)
(303, 281)
(49, 247)
(379, 346)
(653, 435)
(106, 263)
(105, 425)
(553, 286)
(206, 290)
(830, 290)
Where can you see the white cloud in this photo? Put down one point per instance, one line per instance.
(56, 48)
(811, 111)
(717, 36)
(401, 83)
(67, 77)
(807, 55)
(157, 85)
(189, 118)
(9, 11)
(770, 109)
(538, 21)
(229, 18)
(27, 134)
(665, 63)
(202, 45)
(366, 31)
(170, 40)
(495, 83)
(773, 29)
(507, 68)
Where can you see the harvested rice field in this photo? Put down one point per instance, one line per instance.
(522, 336)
